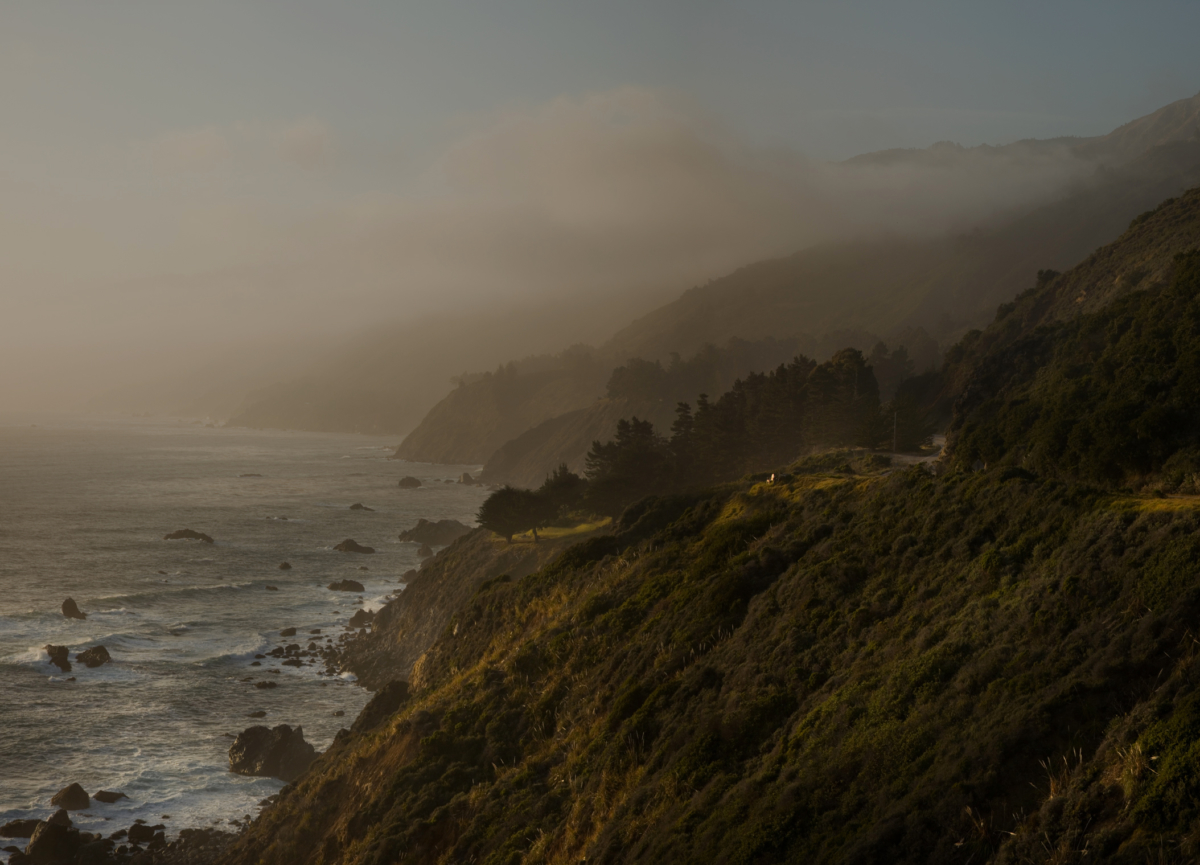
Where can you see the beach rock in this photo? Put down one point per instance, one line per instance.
(278, 752)
(284, 566)
(346, 586)
(361, 618)
(352, 546)
(61, 817)
(359, 506)
(425, 552)
(71, 610)
(288, 632)
(18, 828)
(93, 657)
(439, 534)
(71, 798)
(383, 705)
(409, 483)
(51, 842)
(187, 534)
(58, 657)
(465, 478)
(108, 796)
(93, 853)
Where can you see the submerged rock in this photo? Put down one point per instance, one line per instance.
(359, 506)
(71, 798)
(183, 534)
(71, 610)
(352, 546)
(278, 752)
(409, 483)
(439, 534)
(93, 657)
(346, 586)
(58, 657)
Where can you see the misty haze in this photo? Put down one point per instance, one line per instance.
(512, 433)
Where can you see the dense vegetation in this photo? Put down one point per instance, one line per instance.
(1112, 397)
(993, 659)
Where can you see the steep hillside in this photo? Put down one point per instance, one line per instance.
(846, 663)
(839, 668)
(946, 285)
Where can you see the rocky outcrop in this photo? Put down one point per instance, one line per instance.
(406, 626)
(425, 551)
(361, 619)
(71, 610)
(352, 546)
(93, 657)
(465, 478)
(383, 705)
(58, 657)
(108, 796)
(53, 843)
(346, 586)
(71, 798)
(279, 752)
(359, 506)
(187, 534)
(439, 534)
(21, 828)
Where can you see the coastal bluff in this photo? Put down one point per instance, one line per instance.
(404, 628)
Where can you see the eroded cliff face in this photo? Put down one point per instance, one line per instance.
(408, 625)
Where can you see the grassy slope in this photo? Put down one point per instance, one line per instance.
(841, 668)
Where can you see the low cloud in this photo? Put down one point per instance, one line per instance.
(578, 197)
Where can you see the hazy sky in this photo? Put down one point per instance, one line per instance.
(180, 175)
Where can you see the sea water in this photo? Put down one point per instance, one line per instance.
(84, 505)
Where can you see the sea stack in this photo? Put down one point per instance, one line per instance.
(71, 610)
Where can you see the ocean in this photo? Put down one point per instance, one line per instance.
(84, 505)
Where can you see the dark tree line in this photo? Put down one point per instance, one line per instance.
(763, 422)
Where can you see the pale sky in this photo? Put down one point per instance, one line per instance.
(176, 176)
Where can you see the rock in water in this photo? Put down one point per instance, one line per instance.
(439, 534)
(93, 657)
(71, 798)
(359, 506)
(71, 610)
(187, 533)
(280, 753)
(425, 552)
(465, 478)
(58, 657)
(409, 483)
(61, 817)
(288, 632)
(18, 828)
(352, 546)
(51, 842)
(361, 619)
(284, 566)
(108, 797)
(346, 586)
